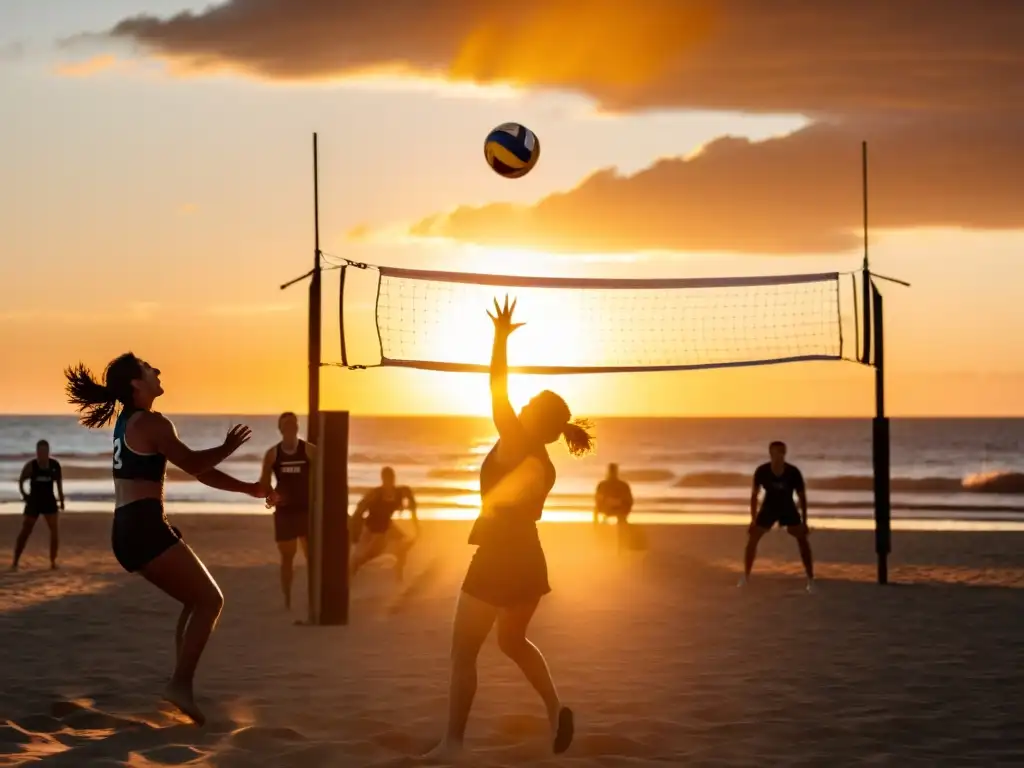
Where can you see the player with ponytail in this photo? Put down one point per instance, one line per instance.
(142, 539)
(508, 575)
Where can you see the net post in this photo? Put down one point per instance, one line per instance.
(329, 540)
(313, 404)
(880, 446)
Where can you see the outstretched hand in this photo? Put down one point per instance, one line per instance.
(502, 318)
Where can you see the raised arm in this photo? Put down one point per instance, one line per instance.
(26, 473)
(510, 431)
(162, 436)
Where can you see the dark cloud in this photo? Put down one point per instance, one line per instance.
(797, 194)
(804, 56)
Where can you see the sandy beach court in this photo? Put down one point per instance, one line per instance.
(665, 661)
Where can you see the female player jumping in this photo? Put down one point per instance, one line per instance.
(508, 574)
(142, 539)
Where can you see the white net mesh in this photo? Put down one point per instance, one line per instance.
(436, 320)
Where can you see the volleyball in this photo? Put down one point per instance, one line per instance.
(512, 150)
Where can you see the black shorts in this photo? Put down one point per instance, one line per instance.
(784, 517)
(289, 526)
(508, 568)
(37, 508)
(141, 533)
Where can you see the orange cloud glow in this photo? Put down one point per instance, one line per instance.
(784, 56)
(800, 193)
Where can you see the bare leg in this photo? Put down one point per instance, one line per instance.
(287, 550)
(799, 533)
(512, 625)
(369, 547)
(179, 631)
(753, 537)
(473, 621)
(27, 524)
(52, 521)
(401, 544)
(180, 574)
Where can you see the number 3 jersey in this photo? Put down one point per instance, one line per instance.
(132, 465)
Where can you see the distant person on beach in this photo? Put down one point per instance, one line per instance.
(44, 476)
(508, 574)
(374, 532)
(780, 480)
(143, 540)
(614, 499)
(290, 462)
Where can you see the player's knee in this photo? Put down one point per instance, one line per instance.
(511, 643)
(210, 601)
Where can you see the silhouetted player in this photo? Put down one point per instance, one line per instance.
(44, 476)
(508, 574)
(376, 530)
(780, 481)
(291, 464)
(614, 498)
(142, 539)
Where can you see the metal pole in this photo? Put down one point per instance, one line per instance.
(313, 408)
(880, 447)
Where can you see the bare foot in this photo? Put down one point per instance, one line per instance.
(14, 567)
(181, 697)
(565, 729)
(53, 566)
(446, 752)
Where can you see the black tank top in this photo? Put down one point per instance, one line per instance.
(523, 514)
(41, 482)
(381, 507)
(291, 472)
(129, 465)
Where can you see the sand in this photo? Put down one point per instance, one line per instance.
(665, 661)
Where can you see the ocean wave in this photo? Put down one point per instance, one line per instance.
(67, 459)
(1009, 483)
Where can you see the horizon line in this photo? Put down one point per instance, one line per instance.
(690, 417)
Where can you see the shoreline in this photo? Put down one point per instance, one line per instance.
(446, 514)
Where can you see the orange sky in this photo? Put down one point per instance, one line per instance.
(160, 188)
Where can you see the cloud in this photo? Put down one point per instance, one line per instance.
(782, 56)
(799, 193)
(88, 67)
(936, 86)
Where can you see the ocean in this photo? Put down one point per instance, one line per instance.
(680, 469)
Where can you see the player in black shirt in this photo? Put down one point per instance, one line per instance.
(291, 464)
(44, 476)
(780, 482)
(377, 531)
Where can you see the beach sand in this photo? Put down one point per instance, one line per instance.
(664, 660)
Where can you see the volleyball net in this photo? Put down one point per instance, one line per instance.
(436, 321)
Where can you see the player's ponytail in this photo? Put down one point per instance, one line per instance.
(97, 403)
(578, 437)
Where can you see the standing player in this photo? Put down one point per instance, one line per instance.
(372, 519)
(780, 480)
(43, 474)
(614, 498)
(291, 463)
